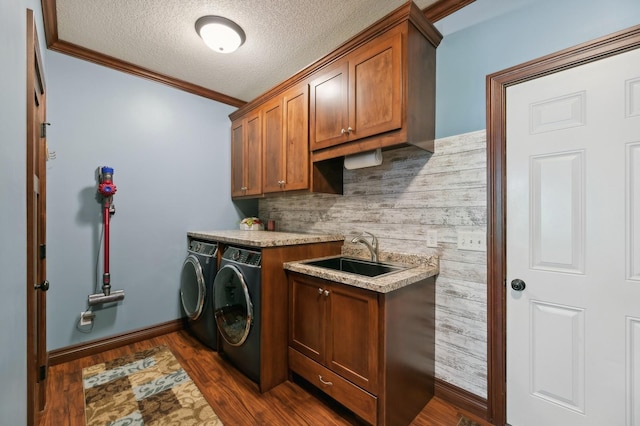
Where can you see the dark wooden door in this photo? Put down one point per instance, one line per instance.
(36, 196)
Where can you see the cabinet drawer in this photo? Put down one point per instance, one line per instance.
(351, 396)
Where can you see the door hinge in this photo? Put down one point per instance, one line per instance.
(43, 251)
(43, 129)
(42, 373)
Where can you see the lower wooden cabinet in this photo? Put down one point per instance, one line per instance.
(337, 326)
(372, 352)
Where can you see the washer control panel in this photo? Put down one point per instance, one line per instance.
(240, 255)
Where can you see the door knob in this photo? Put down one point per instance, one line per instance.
(44, 286)
(518, 284)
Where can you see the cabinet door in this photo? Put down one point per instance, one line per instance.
(307, 315)
(296, 138)
(286, 141)
(237, 158)
(375, 86)
(274, 153)
(329, 117)
(253, 155)
(246, 156)
(352, 335)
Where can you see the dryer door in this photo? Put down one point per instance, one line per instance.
(232, 307)
(192, 287)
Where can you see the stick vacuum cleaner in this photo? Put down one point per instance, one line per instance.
(106, 189)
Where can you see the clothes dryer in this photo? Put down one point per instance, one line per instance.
(196, 290)
(237, 308)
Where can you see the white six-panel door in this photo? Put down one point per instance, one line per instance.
(573, 238)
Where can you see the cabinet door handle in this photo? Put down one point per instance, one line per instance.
(244, 188)
(319, 291)
(349, 129)
(324, 382)
(326, 292)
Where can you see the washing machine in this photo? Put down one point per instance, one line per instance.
(237, 308)
(196, 290)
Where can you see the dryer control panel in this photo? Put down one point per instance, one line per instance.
(241, 255)
(203, 248)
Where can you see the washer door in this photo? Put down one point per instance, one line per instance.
(232, 307)
(192, 287)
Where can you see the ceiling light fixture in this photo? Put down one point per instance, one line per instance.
(220, 34)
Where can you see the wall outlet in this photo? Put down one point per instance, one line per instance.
(432, 238)
(474, 241)
(86, 317)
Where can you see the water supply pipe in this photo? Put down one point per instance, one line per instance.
(106, 188)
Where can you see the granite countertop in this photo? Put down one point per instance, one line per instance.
(419, 267)
(263, 238)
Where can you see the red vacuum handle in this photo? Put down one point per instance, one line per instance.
(106, 278)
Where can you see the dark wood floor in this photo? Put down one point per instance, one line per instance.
(232, 396)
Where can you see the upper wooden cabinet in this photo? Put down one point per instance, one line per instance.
(379, 95)
(359, 96)
(246, 156)
(286, 143)
(377, 90)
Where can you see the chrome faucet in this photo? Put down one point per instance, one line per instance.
(372, 246)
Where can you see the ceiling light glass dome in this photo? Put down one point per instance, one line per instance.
(220, 34)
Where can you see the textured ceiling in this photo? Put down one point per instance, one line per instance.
(283, 36)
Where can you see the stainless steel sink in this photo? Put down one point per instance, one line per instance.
(356, 266)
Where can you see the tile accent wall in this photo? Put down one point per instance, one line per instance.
(412, 192)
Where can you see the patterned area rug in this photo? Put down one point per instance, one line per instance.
(146, 388)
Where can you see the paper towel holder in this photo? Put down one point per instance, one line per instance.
(363, 159)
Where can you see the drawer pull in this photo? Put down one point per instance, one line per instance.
(324, 382)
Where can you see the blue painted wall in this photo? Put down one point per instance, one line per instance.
(170, 151)
(13, 211)
(528, 30)
(157, 138)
